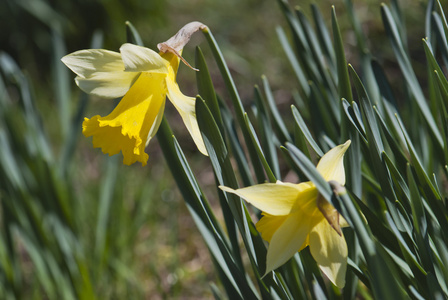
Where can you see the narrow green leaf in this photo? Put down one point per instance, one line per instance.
(205, 86)
(324, 37)
(61, 83)
(408, 72)
(428, 15)
(305, 132)
(423, 177)
(316, 53)
(383, 83)
(344, 87)
(373, 134)
(293, 61)
(231, 88)
(199, 208)
(105, 199)
(277, 118)
(132, 35)
(421, 236)
(267, 135)
(445, 23)
(260, 153)
(235, 145)
(385, 282)
(351, 112)
(443, 112)
(223, 169)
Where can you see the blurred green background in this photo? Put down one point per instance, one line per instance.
(75, 217)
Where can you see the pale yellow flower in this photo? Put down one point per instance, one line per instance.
(295, 216)
(143, 78)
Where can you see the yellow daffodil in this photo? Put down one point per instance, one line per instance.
(143, 78)
(295, 216)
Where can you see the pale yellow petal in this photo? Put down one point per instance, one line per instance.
(127, 127)
(84, 63)
(331, 165)
(141, 59)
(272, 198)
(268, 225)
(107, 84)
(329, 249)
(289, 238)
(186, 108)
(100, 72)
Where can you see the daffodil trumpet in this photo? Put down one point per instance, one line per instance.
(295, 216)
(143, 78)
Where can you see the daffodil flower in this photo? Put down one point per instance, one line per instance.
(295, 216)
(143, 78)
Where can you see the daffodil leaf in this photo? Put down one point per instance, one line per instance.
(260, 153)
(440, 36)
(312, 274)
(344, 87)
(443, 111)
(236, 100)
(384, 278)
(373, 134)
(268, 139)
(350, 114)
(324, 38)
(61, 82)
(219, 157)
(394, 36)
(235, 145)
(406, 251)
(305, 132)
(277, 118)
(428, 22)
(294, 277)
(223, 170)
(433, 63)
(418, 213)
(323, 119)
(300, 141)
(440, 99)
(316, 55)
(375, 146)
(221, 163)
(105, 200)
(445, 24)
(423, 177)
(132, 35)
(354, 156)
(358, 118)
(383, 84)
(205, 86)
(40, 265)
(9, 162)
(442, 258)
(293, 61)
(393, 142)
(377, 226)
(401, 185)
(302, 46)
(202, 213)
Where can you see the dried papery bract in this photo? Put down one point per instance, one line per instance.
(177, 42)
